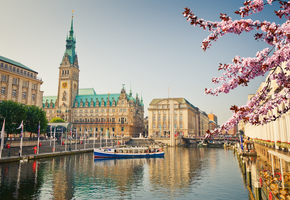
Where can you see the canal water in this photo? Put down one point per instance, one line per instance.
(184, 173)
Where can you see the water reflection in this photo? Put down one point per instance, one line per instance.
(182, 173)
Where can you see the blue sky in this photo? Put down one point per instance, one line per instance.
(147, 43)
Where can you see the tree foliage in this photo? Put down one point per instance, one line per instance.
(56, 120)
(272, 60)
(15, 112)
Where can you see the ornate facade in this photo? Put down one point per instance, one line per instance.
(89, 112)
(188, 120)
(19, 83)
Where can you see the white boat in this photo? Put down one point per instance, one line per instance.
(128, 152)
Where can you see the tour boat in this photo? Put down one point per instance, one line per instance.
(128, 152)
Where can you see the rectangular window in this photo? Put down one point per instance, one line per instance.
(3, 89)
(4, 78)
(124, 110)
(175, 125)
(113, 119)
(97, 110)
(153, 125)
(175, 118)
(180, 118)
(25, 83)
(17, 70)
(113, 110)
(154, 119)
(33, 97)
(34, 86)
(120, 110)
(164, 112)
(181, 126)
(180, 111)
(113, 129)
(2, 65)
(21, 71)
(164, 126)
(24, 72)
(158, 118)
(6, 66)
(102, 110)
(24, 95)
(15, 81)
(14, 69)
(153, 112)
(91, 111)
(164, 118)
(14, 93)
(10, 68)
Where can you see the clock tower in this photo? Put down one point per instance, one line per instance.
(68, 84)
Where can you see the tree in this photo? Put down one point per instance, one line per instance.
(273, 60)
(56, 120)
(34, 117)
(13, 113)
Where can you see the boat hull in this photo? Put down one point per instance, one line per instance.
(99, 154)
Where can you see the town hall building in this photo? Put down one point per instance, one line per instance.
(89, 112)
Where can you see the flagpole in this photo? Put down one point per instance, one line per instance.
(38, 137)
(50, 134)
(54, 139)
(100, 138)
(106, 137)
(61, 135)
(65, 139)
(94, 137)
(21, 139)
(2, 137)
(85, 138)
(76, 137)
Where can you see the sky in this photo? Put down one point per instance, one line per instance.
(145, 44)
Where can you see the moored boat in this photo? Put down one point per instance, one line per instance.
(128, 152)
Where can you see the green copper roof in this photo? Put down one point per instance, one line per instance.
(49, 99)
(71, 44)
(87, 91)
(15, 63)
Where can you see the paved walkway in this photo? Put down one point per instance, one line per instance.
(47, 147)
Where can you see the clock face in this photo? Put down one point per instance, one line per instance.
(64, 85)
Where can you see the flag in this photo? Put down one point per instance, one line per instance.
(38, 132)
(241, 140)
(169, 90)
(2, 132)
(21, 125)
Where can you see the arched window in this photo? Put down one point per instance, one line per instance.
(96, 128)
(122, 128)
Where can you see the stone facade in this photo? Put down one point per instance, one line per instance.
(89, 112)
(188, 120)
(19, 83)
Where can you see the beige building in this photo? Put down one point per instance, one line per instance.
(19, 83)
(185, 118)
(89, 112)
(278, 130)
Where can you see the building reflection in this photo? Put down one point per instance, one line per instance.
(80, 176)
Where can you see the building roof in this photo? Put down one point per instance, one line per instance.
(87, 91)
(89, 94)
(15, 63)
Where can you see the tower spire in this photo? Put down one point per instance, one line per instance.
(70, 44)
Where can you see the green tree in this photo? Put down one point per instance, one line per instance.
(56, 120)
(13, 113)
(34, 116)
